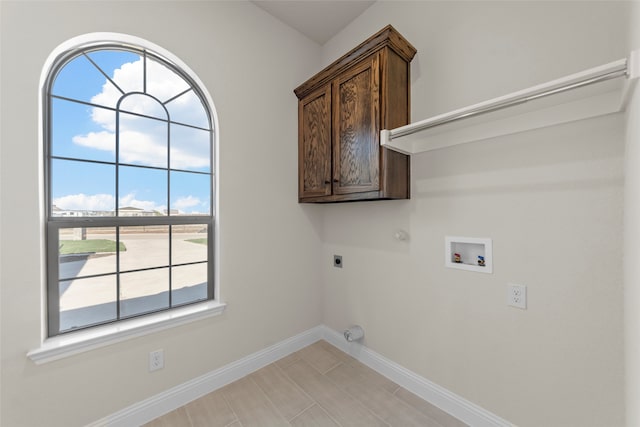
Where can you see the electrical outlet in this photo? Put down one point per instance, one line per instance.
(156, 360)
(517, 296)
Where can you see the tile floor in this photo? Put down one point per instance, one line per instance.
(316, 386)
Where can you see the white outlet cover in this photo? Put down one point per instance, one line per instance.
(156, 360)
(517, 296)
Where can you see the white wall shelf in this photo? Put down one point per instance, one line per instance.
(464, 253)
(587, 94)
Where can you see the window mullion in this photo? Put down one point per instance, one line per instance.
(118, 273)
(103, 73)
(53, 282)
(170, 266)
(169, 209)
(210, 254)
(144, 71)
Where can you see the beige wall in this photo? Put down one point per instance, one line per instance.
(250, 63)
(632, 245)
(551, 200)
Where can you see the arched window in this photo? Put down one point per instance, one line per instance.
(129, 169)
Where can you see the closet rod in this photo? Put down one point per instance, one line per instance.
(619, 71)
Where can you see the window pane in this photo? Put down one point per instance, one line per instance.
(147, 246)
(162, 82)
(124, 68)
(190, 149)
(144, 291)
(142, 141)
(82, 188)
(76, 134)
(143, 192)
(86, 302)
(188, 243)
(188, 283)
(188, 109)
(81, 131)
(93, 83)
(190, 193)
(87, 251)
(143, 104)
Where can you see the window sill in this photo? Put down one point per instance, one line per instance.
(78, 342)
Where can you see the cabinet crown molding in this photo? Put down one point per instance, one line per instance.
(386, 37)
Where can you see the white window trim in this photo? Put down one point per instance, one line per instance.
(66, 345)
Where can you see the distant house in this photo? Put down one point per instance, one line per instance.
(67, 212)
(126, 211)
(57, 211)
(132, 211)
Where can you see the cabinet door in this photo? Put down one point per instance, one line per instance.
(314, 144)
(356, 149)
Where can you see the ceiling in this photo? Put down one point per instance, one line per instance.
(318, 20)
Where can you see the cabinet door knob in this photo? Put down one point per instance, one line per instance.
(335, 180)
(327, 182)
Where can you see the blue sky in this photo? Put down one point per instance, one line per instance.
(87, 132)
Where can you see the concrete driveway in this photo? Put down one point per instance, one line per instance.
(93, 300)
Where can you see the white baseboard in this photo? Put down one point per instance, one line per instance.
(449, 402)
(160, 404)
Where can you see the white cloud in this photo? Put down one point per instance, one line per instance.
(99, 140)
(135, 147)
(147, 205)
(184, 204)
(183, 159)
(144, 141)
(162, 82)
(141, 148)
(84, 202)
(104, 202)
(129, 76)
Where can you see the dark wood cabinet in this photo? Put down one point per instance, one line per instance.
(314, 151)
(341, 111)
